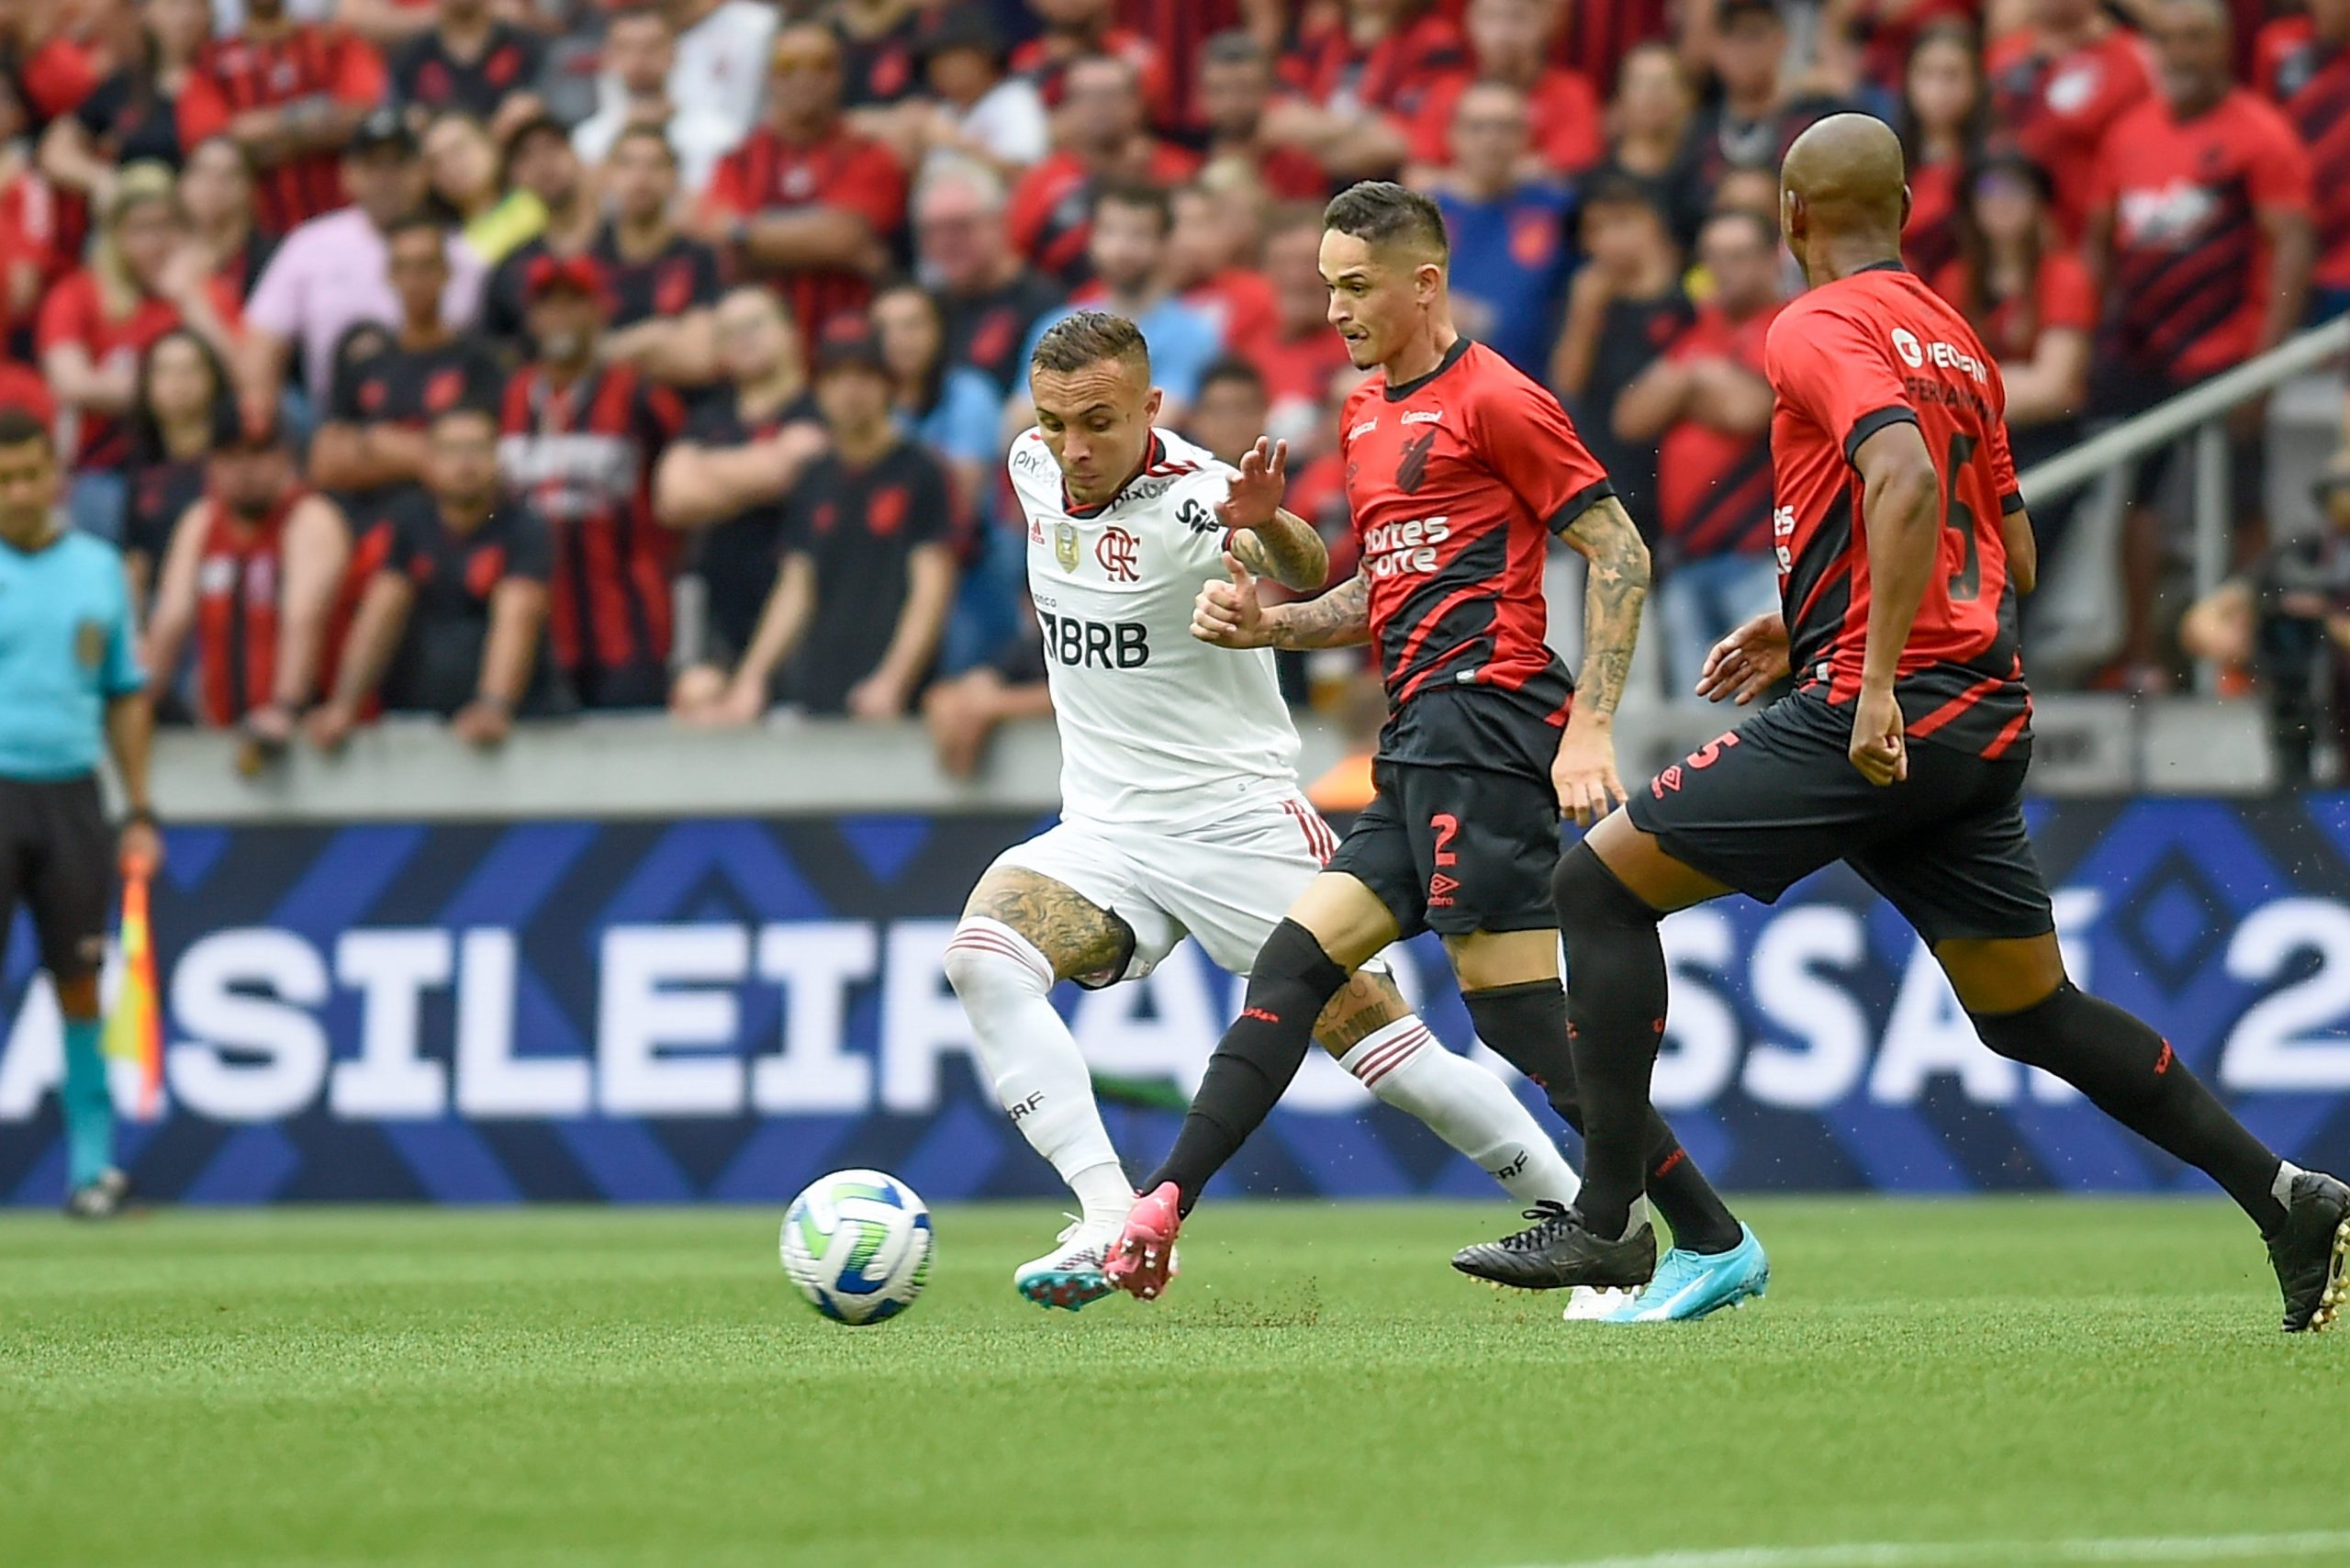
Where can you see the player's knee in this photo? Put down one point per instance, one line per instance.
(987, 958)
(1291, 972)
(2037, 1036)
(1590, 898)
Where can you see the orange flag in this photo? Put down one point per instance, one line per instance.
(135, 1027)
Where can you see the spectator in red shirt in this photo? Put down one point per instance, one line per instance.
(2304, 67)
(1103, 142)
(1212, 256)
(1600, 35)
(143, 279)
(2058, 85)
(40, 238)
(1508, 41)
(1074, 29)
(1873, 41)
(1707, 404)
(1298, 357)
(290, 94)
(805, 202)
(1363, 74)
(2200, 234)
(1235, 88)
(989, 297)
(1654, 147)
(1944, 111)
(130, 116)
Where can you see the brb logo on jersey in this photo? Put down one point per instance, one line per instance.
(1081, 644)
(1394, 549)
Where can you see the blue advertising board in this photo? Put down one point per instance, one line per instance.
(721, 1009)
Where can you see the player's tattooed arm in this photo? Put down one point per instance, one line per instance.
(1287, 550)
(1077, 936)
(1339, 619)
(1616, 586)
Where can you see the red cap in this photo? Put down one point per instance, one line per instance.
(576, 274)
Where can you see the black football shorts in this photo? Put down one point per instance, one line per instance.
(1453, 849)
(1776, 799)
(57, 857)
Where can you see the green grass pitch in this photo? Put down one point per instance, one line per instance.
(532, 1388)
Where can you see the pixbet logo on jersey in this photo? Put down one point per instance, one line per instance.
(1392, 549)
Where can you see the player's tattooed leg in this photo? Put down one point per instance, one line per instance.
(1076, 936)
(1368, 1004)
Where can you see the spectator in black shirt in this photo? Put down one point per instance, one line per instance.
(663, 284)
(869, 562)
(131, 116)
(468, 60)
(217, 195)
(1624, 309)
(989, 298)
(726, 479)
(1653, 147)
(451, 623)
(184, 408)
(539, 159)
(374, 440)
(1757, 114)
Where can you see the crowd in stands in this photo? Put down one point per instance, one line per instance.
(499, 358)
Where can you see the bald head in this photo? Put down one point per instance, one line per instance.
(1843, 194)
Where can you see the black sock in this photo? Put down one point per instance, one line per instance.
(1615, 997)
(2129, 1072)
(1292, 980)
(1527, 1026)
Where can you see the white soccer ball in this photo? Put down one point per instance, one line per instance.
(858, 1243)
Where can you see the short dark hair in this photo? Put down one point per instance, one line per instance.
(640, 130)
(1088, 337)
(1381, 212)
(18, 426)
(1153, 200)
(408, 223)
(1764, 230)
(1232, 367)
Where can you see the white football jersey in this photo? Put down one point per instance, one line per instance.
(1156, 727)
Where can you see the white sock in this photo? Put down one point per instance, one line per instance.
(1466, 1106)
(1029, 1055)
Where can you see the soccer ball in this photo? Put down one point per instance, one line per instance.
(858, 1243)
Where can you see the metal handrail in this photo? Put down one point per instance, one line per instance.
(2158, 426)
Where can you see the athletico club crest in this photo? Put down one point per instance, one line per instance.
(1413, 466)
(1065, 544)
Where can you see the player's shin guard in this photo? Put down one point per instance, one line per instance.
(1466, 1106)
(1291, 982)
(1039, 1074)
(2129, 1072)
(1615, 1000)
(89, 1107)
(1527, 1026)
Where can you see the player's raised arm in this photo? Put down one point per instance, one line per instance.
(1270, 542)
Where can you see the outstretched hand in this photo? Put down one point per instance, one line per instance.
(1747, 662)
(1255, 495)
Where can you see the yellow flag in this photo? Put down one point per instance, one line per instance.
(135, 1027)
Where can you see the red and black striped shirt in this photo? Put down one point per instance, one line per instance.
(769, 174)
(2309, 78)
(235, 76)
(1713, 486)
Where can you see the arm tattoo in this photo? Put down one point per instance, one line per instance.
(1286, 550)
(1339, 619)
(1076, 935)
(1614, 587)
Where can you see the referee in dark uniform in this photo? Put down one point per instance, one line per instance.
(69, 679)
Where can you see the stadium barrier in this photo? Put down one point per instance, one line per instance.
(723, 1008)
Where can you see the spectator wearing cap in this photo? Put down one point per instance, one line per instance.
(2302, 64)
(131, 115)
(1235, 89)
(1078, 29)
(725, 480)
(2059, 83)
(723, 54)
(1215, 251)
(334, 271)
(1942, 123)
(1508, 228)
(1103, 140)
(253, 582)
(185, 406)
(805, 203)
(663, 282)
(1301, 353)
(1129, 232)
(216, 197)
(541, 168)
(1706, 405)
(1625, 306)
(989, 297)
(290, 94)
(581, 441)
(469, 59)
(976, 108)
(1509, 42)
(640, 56)
(144, 279)
(372, 445)
(1363, 71)
(858, 608)
(1654, 118)
(2199, 235)
(1759, 110)
(451, 621)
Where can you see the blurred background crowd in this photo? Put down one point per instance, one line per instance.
(497, 359)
